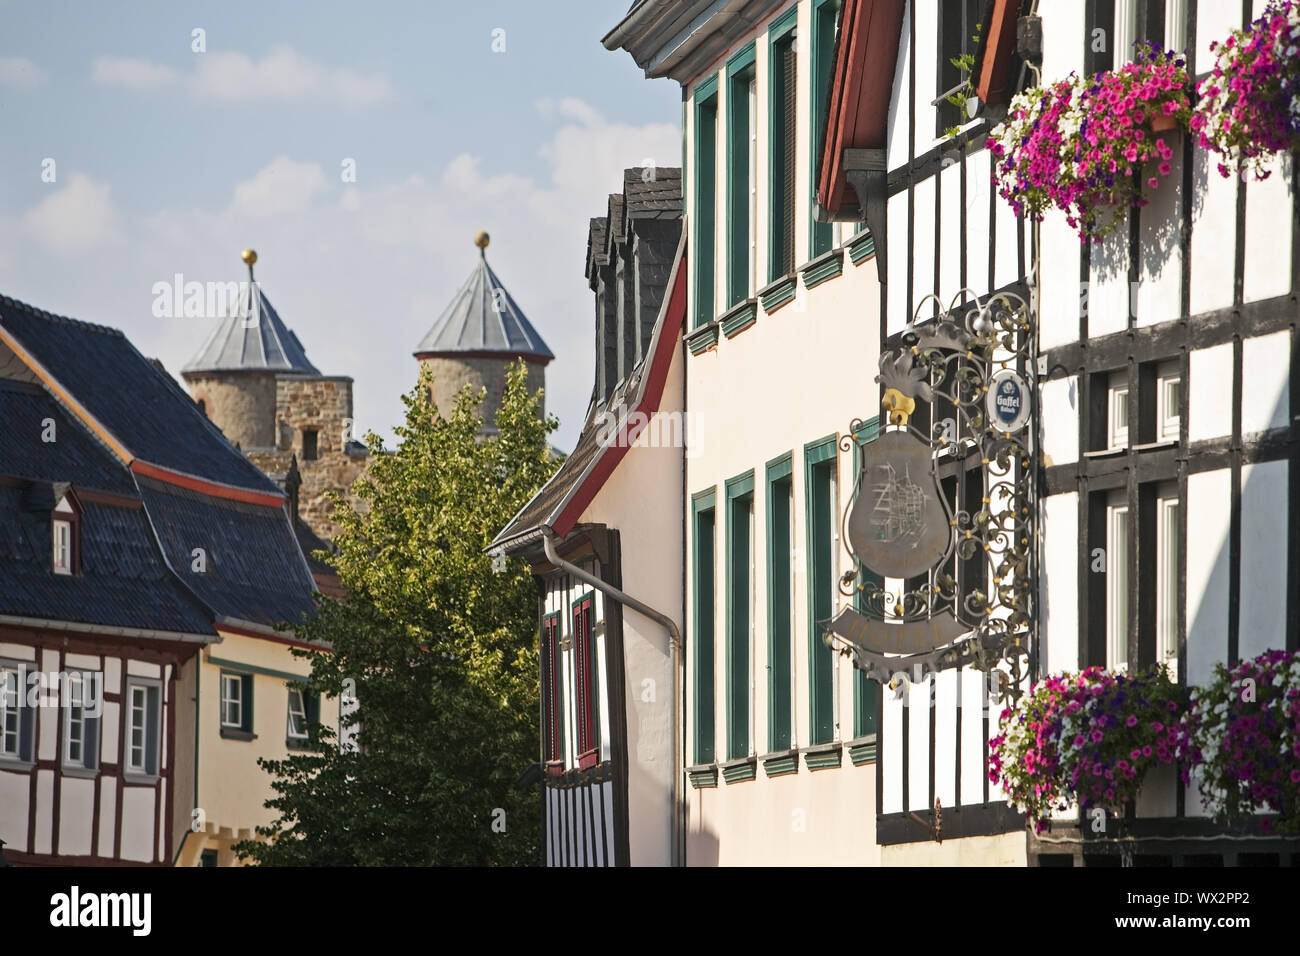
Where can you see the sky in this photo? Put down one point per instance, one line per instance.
(357, 147)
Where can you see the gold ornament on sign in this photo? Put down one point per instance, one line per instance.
(249, 256)
(482, 240)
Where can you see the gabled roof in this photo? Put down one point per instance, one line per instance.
(252, 338)
(483, 317)
(253, 568)
(139, 413)
(122, 581)
(74, 455)
(562, 500)
(653, 193)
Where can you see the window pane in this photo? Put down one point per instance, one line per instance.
(1167, 578)
(1117, 590)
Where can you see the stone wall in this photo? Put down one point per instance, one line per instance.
(335, 471)
(241, 404)
(452, 373)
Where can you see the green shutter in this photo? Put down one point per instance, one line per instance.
(706, 175)
(702, 509)
(781, 132)
(780, 498)
(247, 723)
(866, 691)
(825, 17)
(740, 74)
(819, 472)
(740, 602)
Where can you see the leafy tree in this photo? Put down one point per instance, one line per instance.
(439, 648)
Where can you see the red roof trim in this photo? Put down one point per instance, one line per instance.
(664, 347)
(999, 45)
(202, 485)
(862, 85)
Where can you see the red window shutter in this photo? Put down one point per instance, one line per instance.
(584, 660)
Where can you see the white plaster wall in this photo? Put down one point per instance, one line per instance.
(1265, 516)
(76, 815)
(1265, 377)
(923, 245)
(81, 662)
(136, 668)
(900, 109)
(890, 751)
(1211, 394)
(642, 499)
(1060, 409)
(1214, 236)
(1208, 494)
(15, 791)
(973, 685)
(18, 652)
(1009, 849)
(950, 237)
(896, 215)
(112, 675)
(946, 692)
(1267, 271)
(107, 813)
(109, 728)
(1059, 316)
(137, 823)
(1060, 587)
(43, 842)
(1215, 19)
(1160, 287)
(1108, 289)
(978, 189)
(917, 698)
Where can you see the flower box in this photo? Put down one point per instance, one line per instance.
(1249, 106)
(1089, 146)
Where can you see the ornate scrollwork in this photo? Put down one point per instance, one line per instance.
(951, 361)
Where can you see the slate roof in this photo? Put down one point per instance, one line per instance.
(483, 317)
(255, 571)
(658, 198)
(74, 456)
(141, 407)
(252, 338)
(122, 583)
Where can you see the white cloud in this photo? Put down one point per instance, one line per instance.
(361, 271)
(20, 72)
(283, 75)
(132, 74)
(281, 187)
(76, 218)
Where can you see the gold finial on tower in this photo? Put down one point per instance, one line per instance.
(482, 240)
(250, 258)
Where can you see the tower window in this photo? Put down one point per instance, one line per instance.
(203, 406)
(309, 444)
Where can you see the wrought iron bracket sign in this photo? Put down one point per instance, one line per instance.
(943, 580)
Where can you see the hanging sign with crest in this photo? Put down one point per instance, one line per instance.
(943, 577)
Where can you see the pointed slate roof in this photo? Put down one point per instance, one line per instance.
(252, 338)
(483, 317)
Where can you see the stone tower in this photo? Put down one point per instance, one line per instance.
(252, 378)
(477, 337)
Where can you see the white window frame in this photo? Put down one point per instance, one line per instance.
(1168, 412)
(229, 680)
(12, 710)
(300, 712)
(80, 730)
(61, 545)
(1117, 408)
(1168, 531)
(151, 714)
(1117, 571)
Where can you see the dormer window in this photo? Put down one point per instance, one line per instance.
(65, 543)
(309, 444)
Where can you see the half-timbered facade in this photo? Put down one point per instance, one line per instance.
(603, 537)
(149, 577)
(1165, 417)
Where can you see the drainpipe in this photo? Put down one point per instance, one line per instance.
(675, 642)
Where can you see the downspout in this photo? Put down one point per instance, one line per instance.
(675, 642)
